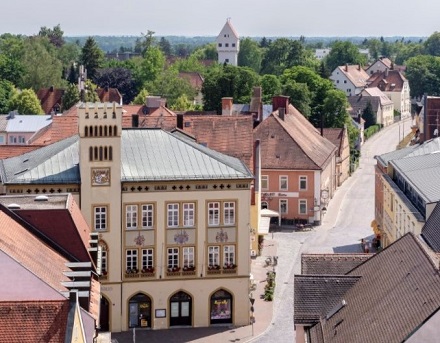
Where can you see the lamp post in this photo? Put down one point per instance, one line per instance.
(252, 300)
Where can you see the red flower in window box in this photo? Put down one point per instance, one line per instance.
(148, 270)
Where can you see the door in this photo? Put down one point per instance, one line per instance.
(139, 311)
(181, 309)
(104, 315)
(221, 307)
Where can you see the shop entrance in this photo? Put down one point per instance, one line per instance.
(221, 307)
(139, 311)
(181, 309)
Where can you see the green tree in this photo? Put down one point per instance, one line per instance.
(369, 116)
(149, 67)
(300, 96)
(41, 67)
(423, 74)
(26, 102)
(71, 96)
(90, 94)
(141, 97)
(270, 85)
(55, 35)
(432, 44)
(335, 109)
(281, 54)
(344, 52)
(165, 46)
(92, 57)
(11, 69)
(182, 103)
(119, 78)
(250, 54)
(148, 40)
(7, 91)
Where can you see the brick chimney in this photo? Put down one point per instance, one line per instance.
(280, 101)
(227, 106)
(346, 66)
(281, 112)
(386, 72)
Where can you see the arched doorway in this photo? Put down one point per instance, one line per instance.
(181, 309)
(104, 315)
(221, 307)
(139, 311)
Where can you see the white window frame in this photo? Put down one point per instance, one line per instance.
(284, 178)
(131, 212)
(281, 202)
(131, 259)
(172, 257)
(100, 218)
(303, 179)
(214, 255)
(147, 258)
(264, 182)
(189, 213)
(302, 203)
(173, 215)
(229, 213)
(147, 216)
(104, 260)
(228, 255)
(188, 257)
(214, 213)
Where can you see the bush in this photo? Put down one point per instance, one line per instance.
(269, 289)
(371, 131)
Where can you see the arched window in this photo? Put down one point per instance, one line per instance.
(100, 153)
(115, 130)
(105, 153)
(105, 130)
(139, 311)
(96, 153)
(180, 309)
(86, 131)
(221, 307)
(100, 131)
(91, 154)
(96, 131)
(110, 133)
(110, 153)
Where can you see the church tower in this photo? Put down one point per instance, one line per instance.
(228, 44)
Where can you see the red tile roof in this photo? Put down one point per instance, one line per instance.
(17, 242)
(62, 127)
(336, 136)
(230, 135)
(195, 79)
(355, 74)
(292, 143)
(109, 95)
(50, 98)
(387, 81)
(7, 151)
(30, 322)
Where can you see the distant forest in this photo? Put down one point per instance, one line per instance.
(127, 43)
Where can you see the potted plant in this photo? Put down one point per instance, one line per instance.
(148, 270)
(173, 269)
(189, 268)
(230, 266)
(132, 271)
(213, 267)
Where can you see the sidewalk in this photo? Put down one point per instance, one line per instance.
(263, 315)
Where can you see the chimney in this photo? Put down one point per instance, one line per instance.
(281, 112)
(386, 72)
(227, 106)
(280, 101)
(106, 89)
(346, 66)
(51, 89)
(359, 67)
(135, 120)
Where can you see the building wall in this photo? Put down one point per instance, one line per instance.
(342, 83)
(343, 171)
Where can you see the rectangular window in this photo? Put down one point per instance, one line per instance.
(104, 261)
(264, 182)
(2, 139)
(228, 255)
(213, 256)
(173, 258)
(188, 214)
(21, 139)
(219, 45)
(283, 183)
(188, 257)
(131, 216)
(147, 216)
(147, 259)
(131, 260)
(283, 206)
(173, 215)
(302, 206)
(213, 213)
(303, 183)
(233, 45)
(100, 214)
(226, 44)
(229, 213)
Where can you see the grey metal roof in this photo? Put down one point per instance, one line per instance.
(422, 173)
(431, 230)
(428, 147)
(147, 155)
(158, 155)
(27, 123)
(53, 164)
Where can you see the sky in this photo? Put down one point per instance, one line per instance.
(257, 18)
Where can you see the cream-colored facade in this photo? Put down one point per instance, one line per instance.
(174, 252)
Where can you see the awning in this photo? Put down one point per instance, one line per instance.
(264, 226)
(268, 213)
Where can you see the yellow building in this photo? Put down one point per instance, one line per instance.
(173, 219)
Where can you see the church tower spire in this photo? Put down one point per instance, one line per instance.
(228, 44)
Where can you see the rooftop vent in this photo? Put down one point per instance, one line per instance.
(41, 198)
(14, 206)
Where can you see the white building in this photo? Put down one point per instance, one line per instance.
(228, 44)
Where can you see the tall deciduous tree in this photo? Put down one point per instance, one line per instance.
(92, 57)
(55, 35)
(71, 96)
(281, 54)
(148, 68)
(165, 46)
(250, 54)
(141, 97)
(26, 102)
(270, 85)
(423, 74)
(432, 44)
(300, 96)
(119, 78)
(6, 93)
(335, 109)
(369, 116)
(344, 52)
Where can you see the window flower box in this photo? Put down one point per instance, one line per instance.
(173, 271)
(132, 273)
(147, 272)
(189, 270)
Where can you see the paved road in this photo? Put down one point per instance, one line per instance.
(348, 219)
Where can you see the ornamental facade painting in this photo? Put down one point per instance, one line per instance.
(100, 176)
